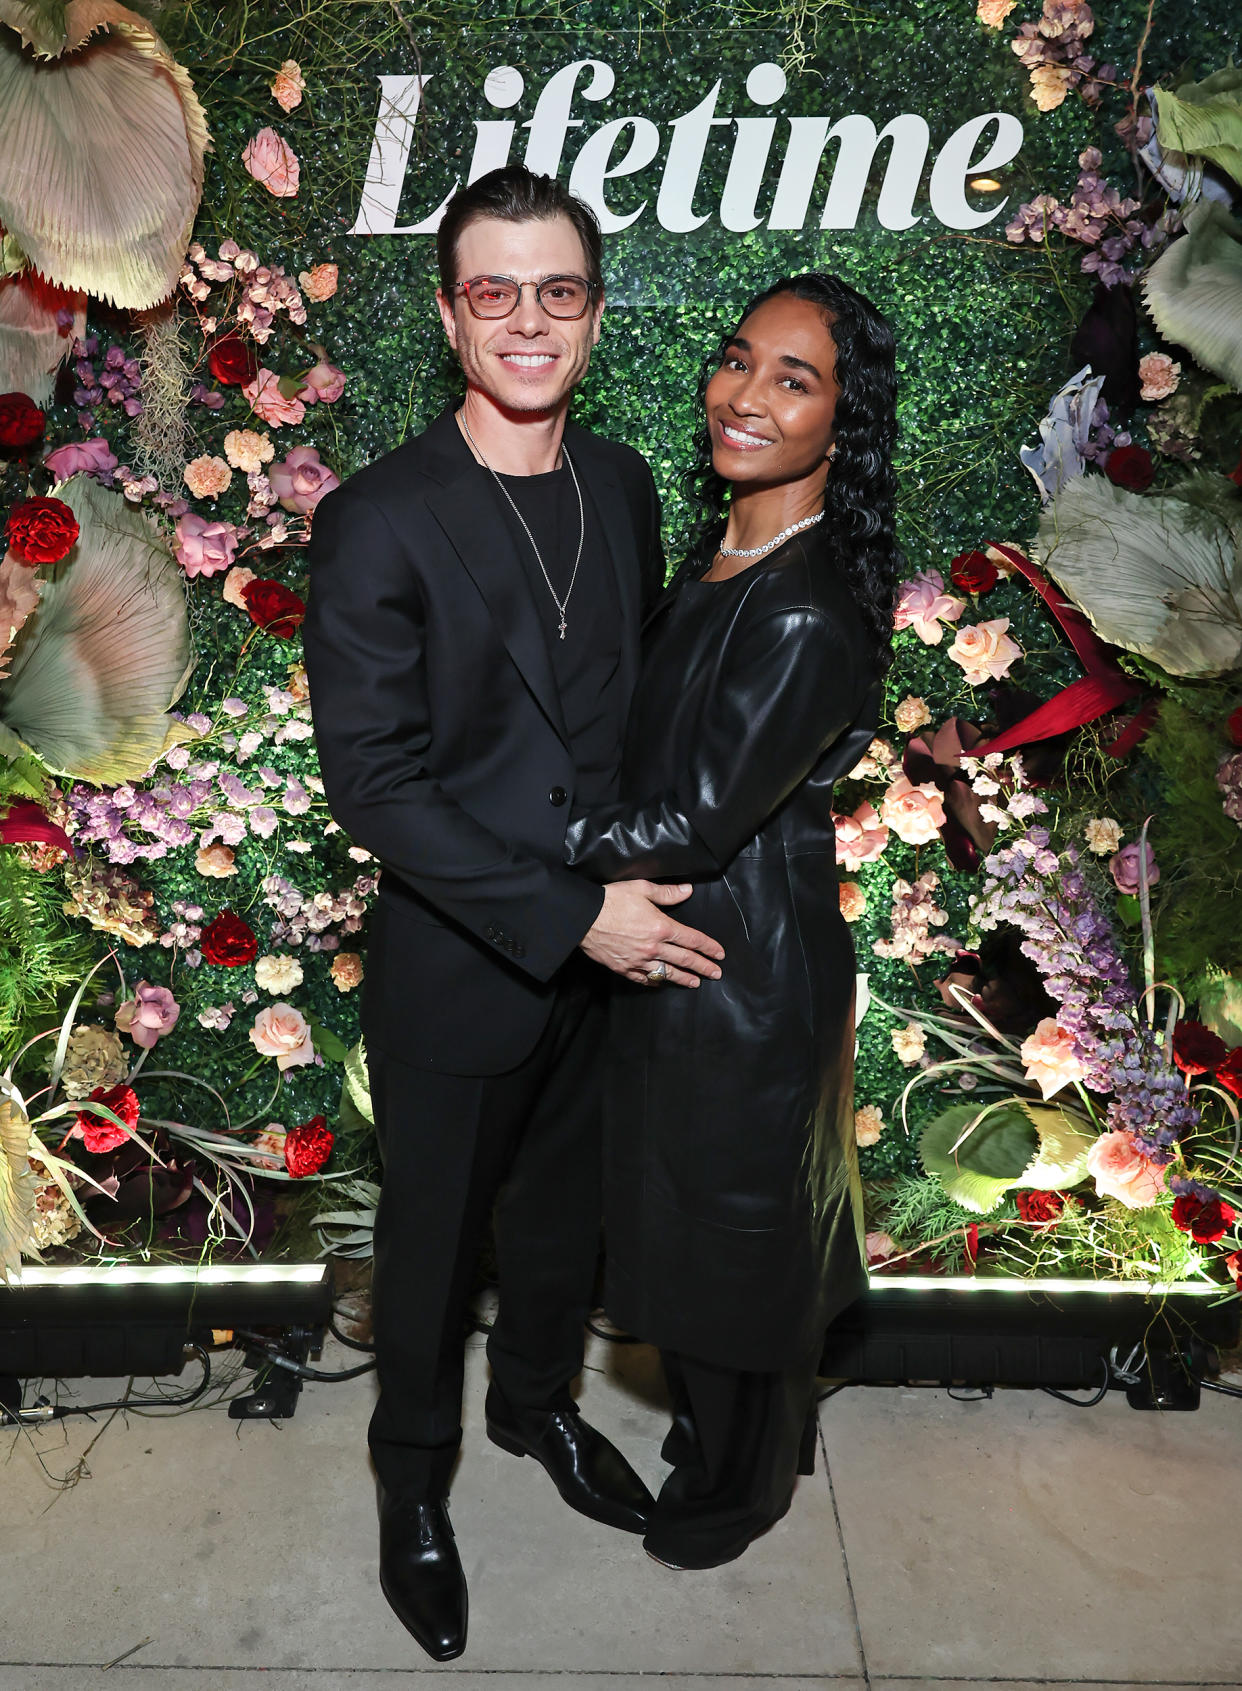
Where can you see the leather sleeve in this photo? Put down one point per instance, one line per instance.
(654, 565)
(787, 689)
(364, 644)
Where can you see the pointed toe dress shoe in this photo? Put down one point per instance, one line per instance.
(421, 1575)
(590, 1473)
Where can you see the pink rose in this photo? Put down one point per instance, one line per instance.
(323, 383)
(148, 1015)
(861, 838)
(201, 547)
(265, 399)
(282, 1032)
(1124, 868)
(81, 457)
(923, 603)
(1123, 1173)
(915, 814)
(879, 1247)
(1049, 1057)
(300, 481)
(273, 163)
(985, 651)
(319, 282)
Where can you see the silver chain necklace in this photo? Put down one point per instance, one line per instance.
(562, 605)
(758, 551)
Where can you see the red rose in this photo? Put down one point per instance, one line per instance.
(1229, 1073)
(1233, 1262)
(1130, 467)
(307, 1148)
(1041, 1208)
(275, 609)
(100, 1133)
(228, 942)
(1234, 726)
(1196, 1049)
(41, 531)
(233, 361)
(21, 422)
(1205, 1219)
(974, 572)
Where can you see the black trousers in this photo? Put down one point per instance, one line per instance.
(528, 1143)
(738, 1441)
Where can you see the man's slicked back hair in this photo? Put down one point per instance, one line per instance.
(515, 195)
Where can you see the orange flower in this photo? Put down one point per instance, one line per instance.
(207, 477)
(289, 85)
(319, 282)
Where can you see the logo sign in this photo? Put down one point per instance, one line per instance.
(666, 164)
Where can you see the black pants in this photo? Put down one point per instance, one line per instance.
(738, 1441)
(527, 1142)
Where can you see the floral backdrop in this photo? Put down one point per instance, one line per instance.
(1039, 851)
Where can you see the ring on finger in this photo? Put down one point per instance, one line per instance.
(657, 972)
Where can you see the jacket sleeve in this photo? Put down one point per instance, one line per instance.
(653, 561)
(365, 643)
(787, 688)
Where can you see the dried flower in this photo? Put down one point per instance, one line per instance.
(289, 85)
(868, 1124)
(346, 971)
(111, 901)
(273, 163)
(94, 1057)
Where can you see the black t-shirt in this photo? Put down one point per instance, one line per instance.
(587, 661)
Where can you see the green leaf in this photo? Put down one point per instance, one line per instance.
(1204, 119)
(1064, 1141)
(989, 1163)
(1193, 292)
(330, 1046)
(357, 1082)
(1128, 910)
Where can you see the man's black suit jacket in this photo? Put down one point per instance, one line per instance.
(441, 741)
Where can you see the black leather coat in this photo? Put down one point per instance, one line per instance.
(733, 1210)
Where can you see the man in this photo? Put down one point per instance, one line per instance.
(472, 644)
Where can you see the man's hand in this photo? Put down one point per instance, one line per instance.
(632, 934)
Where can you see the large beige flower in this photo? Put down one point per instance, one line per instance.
(984, 651)
(912, 713)
(1103, 835)
(915, 814)
(248, 449)
(277, 973)
(868, 1124)
(861, 838)
(1049, 1057)
(909, 1043)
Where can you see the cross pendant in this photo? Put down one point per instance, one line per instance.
(564, 626)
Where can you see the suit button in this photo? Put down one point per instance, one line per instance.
(519, 950)
(558, 795)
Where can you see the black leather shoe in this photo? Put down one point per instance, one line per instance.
(421, 1575)
(590, 1473)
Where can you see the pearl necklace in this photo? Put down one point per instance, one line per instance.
(758, 551)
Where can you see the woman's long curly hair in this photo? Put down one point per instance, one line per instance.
(859, 494)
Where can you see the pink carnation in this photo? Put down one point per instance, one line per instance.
(148, 1015)
(265, 399)
(282, 1032)
(319, 282)
(201, 547)
(915, 814)
(273, 163)
(922, 604)
(300, 481)
(861, 838)
(985, 651)
(81, 457)
(1049, 1057)
(322, 382)
(1123, 1173)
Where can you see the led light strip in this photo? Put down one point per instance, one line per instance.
(175, 1274)
(997, 1283)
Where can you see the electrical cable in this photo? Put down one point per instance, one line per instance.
(1082, 1402)
(44, 1412)
(303, 1372)
(350, 1344)
(1216, 1386)
(612, 1338)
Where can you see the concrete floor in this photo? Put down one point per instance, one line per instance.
(1016, 1542)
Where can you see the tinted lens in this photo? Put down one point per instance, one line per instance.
(491, 296)
(564, 296)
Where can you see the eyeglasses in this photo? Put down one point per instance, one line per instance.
(498, 296)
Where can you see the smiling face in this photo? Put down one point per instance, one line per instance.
(528, 361)
(772, 403)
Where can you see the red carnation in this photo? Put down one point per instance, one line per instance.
(307, 1148)
(100, 1133)
(1196, 1049)
(275, 609)
(1234, 726)
(1229, 1073)
(1205, 1219)
(974, 572)
(41, 531)
(1042, 1209)
(228, 942)
(233, 361)
(21, 422)
(1130, 467)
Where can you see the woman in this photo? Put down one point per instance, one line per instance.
(732, 1206)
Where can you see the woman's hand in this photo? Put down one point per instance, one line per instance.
(632, 936)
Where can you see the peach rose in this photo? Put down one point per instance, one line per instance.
(282, 1032)
(861, 838)
(994, 12)
(985, 651)
(238, 578)
(1123, 1173)
(852, 899)
(289, 85)
(1159, 375)
(922, 604)
(248, 449)
(868, 1124)
(265, 399)
(915, 814)
(910, 714)
(319, 282)
(1049, 1057)
(215, 861)
(273, 163)
(207, 477)
(1103, 835)
(346, 971)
